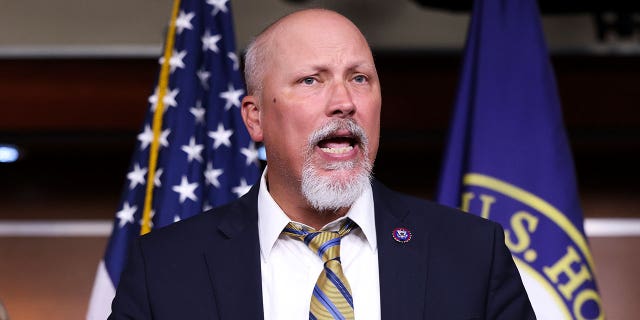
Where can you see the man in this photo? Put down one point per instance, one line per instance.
(314, 100)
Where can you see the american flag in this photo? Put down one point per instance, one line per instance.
(193, 152)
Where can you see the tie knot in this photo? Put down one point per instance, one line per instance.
(326, 244)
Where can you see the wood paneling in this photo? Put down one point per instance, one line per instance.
(77, 121)
(48, 278)
(418, 92)
(74, 94)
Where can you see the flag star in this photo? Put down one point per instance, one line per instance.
(151, 214)
(241, 189)
(153, 99)
(251, 153)
(206, 206)
(234, 59)
(156, 178)
(176, 218)
(184, 21)
(176, 60)
(126, 214)
(232, 96)
(204, 76)
(218, 5)
(221, 136)
(163, 137)
(145, 137)
(136, 177)
(193, 150)
(186, 189)
(169, 99)
(198, 112)
(211, 175)
(210, 42)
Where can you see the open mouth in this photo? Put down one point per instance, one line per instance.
(339, 139)
(338, 144)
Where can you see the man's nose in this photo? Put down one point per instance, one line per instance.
(341, 101)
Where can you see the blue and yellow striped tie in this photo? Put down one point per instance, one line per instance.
(331, 298)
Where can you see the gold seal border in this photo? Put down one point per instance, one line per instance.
(475, 179)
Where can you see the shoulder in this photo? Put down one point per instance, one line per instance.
(210, 225)
(435, 218)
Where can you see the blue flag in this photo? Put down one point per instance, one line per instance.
(508, 158)
(193, 151)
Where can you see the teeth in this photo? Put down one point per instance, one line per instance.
(337, 150)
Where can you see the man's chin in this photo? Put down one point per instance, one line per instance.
(335, 187)
(341, 173)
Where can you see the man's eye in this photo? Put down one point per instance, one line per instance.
(309, 81)
(360, 79)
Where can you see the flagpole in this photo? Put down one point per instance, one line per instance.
(157, 119)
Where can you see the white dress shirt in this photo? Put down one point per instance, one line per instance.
(290, 269)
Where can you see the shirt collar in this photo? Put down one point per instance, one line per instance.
(272, 220)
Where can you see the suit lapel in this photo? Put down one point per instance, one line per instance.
(233, 260)
(402, 266)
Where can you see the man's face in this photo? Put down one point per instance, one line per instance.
(318, 73)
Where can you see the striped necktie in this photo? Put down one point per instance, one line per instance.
(331, 298)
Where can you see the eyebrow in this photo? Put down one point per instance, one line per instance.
(323, 68)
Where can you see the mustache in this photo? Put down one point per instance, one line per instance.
(328, 130)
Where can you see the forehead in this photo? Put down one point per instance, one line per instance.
(323, 38)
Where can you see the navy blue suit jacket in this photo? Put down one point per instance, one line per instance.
(456, 266)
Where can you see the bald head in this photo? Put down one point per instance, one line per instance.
(309, 24)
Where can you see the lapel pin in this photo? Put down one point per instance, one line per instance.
(402, 235)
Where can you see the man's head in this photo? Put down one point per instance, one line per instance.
(314, 100)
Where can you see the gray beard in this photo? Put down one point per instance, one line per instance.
(327, 193)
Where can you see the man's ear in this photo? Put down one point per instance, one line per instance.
(251, 117)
